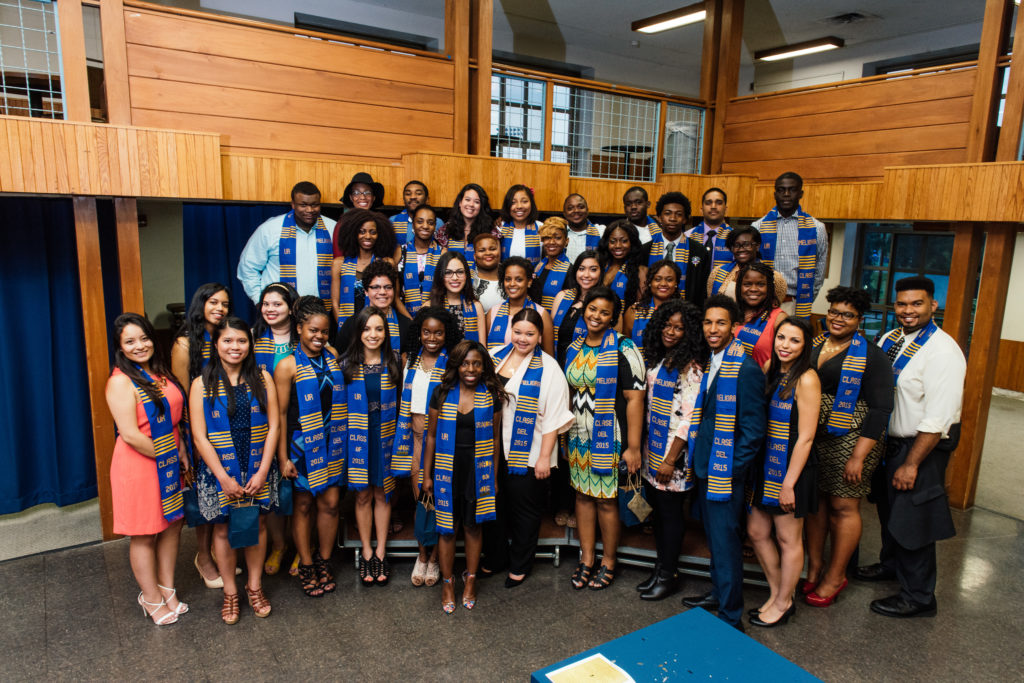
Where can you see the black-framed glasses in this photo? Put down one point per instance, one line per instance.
(454, 273)
(845, 315)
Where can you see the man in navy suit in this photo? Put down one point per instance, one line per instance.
(722, 518)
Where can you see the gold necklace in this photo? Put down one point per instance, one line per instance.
(830, 349)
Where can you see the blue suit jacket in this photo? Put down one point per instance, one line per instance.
(751, 421)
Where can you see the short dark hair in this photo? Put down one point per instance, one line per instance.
(305, 187)
(602, 292)
(424, 207)
(736, 233)
(416, 182)
(857, 298)
(916, 282)
(708, 191)
(672, 198)
(379, 268)
(791, 175)
(513, 262)
(636, 188)
(724, 302)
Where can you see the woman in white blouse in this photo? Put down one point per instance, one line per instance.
(674, 352)
(536, 413)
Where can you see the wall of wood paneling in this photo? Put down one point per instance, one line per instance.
(955, 192)
(41, 156)
(605, 196)
(738, 189)
(1010, 365)
(273, 92)
(261, 178)
(851, 131)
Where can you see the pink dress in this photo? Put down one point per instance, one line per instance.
(134, 485)
(763, 347)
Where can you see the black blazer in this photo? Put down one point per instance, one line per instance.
(751, 421)
(698, 269)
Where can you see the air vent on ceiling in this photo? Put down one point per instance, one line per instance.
(847, 18)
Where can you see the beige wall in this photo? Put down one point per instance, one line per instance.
(163, 261)
(1013, 321)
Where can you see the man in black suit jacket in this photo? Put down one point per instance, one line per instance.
(722, 518)
(673, 213)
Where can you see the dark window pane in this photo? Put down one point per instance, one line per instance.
(874, 323)
(876, 248)
(909, 251)
(940, 253)
(874, 281)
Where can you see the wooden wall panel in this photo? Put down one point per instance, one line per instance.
(955, 192)
(41, 156)
(261, 178)
(272, 92)
(1010, 365)
(853, 131)
(826, 201)
(605, 196)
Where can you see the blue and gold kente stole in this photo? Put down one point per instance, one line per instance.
(416, 286)
(641, 316)
(263, 350)
(165, 447)
(532, 241)
(720, 462)
(751, 332)
(466, 249)
(619, 283)
(602, 445)
(563, 308)
(721, 275)
(840, 420)
(483, 458)
(721, 254)
(402, 222)
(554, 280)
(659, 438)
(527, 407)
(357, 441)
(324, 256)
(347, 290)
(680, 256)
(776, 459)
(322, 445)
(593, 236)
(496, 335)
(218, 431)
(807, 254)
(472, 330)
(394, 331)
(401, 460)
(901, 362)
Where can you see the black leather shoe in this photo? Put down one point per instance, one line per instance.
(874, 572)
(898, 606)
(646, 584)
(664, 585)
(707, 601)
(754, 612)
(755, 620)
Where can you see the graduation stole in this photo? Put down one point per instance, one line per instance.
(658, 437)
(776, 459)
(681, 256)
(840, 420)
(403, 227)
(641, 316)
(602, 451)
(652, 226)
(721, 254)
(465, 248)
(721, 276)
(165, 447)
(218, 431)
(724, 416)
(619, 283)
(263, 350)
(496, 335)
(358, 437)
(394, 331)
(401, 459)
(527, 407)
(472, 324)
(324, 256)
(563, 308)
(322, 445)
(532, 241)
(751, 332)
(593, 236)
(807, 254)
(483, 458)
(347, 296)
(554, 280)
(901, 362)
(417, 290)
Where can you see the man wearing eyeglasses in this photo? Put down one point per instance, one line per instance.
(380, 282)
(795, 244)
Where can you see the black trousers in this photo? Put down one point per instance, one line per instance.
(563, 498)
(525, 496)
(880, 492)
(669, 526)
(495, 533)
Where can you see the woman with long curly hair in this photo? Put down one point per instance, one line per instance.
(470, 216)
(363, 236)
(621, 255)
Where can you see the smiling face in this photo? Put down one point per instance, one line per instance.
(367, 236)
(374, 333)
(516, 283)
(744, 249)
(789, 343)
(413, 195)
(469, 207)
(487, 253)
(618, 244)
(525, 336)
(598, 316)
(754, 289)
(521, 207)
(306, 208)
(717, 326)
(674, 331)
(313, 334)
(713, 208)
(636, 206)
(380, 292)
(471, 369)
(432, 335)
(361, 196)
(588, 274)
(216, 307)
(232, 346)
(553, 243)
(575, 211)
(423, 225)
(455, 276)
(914, 309)
(274, 308)
(672, 220)
(135, 345)
(843, 320)
(664, 284)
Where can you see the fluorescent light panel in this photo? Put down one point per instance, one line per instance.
(799, 49)
(668, 20)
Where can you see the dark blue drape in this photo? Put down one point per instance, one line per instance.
(46, 451)
(214, 236)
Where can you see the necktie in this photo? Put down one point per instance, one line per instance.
(670, 250)
(894, 350)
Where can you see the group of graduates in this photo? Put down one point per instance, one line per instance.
(507, 367)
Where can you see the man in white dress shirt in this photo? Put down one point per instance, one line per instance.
(260, 262)
(583, 233)
(923, 431)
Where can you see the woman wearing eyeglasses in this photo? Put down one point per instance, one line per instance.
(380, 284)
(856, 401)
(453, 290)
(745, 244)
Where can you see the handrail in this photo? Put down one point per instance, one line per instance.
(280, 28)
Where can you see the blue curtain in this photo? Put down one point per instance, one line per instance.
(46, 451)
(214, 236)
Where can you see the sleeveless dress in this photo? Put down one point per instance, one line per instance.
(805, 491)
(295, 446)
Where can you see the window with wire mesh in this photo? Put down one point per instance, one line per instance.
(604, 135)
(684, 139)
(517, 118)
(30, 68)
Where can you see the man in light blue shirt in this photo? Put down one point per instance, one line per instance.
(260, 262)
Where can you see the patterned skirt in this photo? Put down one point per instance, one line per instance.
(834, 451)
(581, 476)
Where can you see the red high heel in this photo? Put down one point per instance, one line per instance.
(815, 600)
(806, 586)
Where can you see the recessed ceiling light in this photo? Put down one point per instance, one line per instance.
(674, 19)
(799, 49)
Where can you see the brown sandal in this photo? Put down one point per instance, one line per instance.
(229, 610)
(258, 601)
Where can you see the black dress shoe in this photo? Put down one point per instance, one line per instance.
(898, 606)
(646, 584)
(707, 601)
(874, 572)
(512, 583)
(755, 620)
(754, 612)
(664, 585)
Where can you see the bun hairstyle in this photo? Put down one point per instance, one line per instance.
(308, 306)
(531, 316)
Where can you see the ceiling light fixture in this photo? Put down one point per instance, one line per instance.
(799, 49)
(674, 19)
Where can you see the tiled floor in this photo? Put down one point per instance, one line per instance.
(71, 615)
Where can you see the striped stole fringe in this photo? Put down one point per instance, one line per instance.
(602, 445)
(660, 417)
(527, 407)
(483, 458)
(807, 254)
(776, 459)
(416, 292)
(840, 419)
(323, 445)
(357, 442)
(218, 431)
(554, 280)
(901, 362)
(720, 463)
(165, 447)
(532, 241)
(324, 256)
